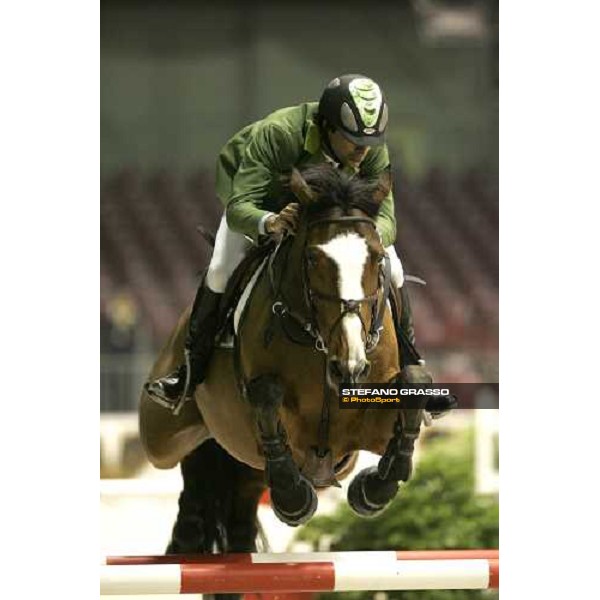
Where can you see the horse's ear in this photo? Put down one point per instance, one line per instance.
(301, 189)
(383, 186)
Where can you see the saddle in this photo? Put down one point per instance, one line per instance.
(236, 285)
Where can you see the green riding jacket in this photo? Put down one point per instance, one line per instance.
(250, 166)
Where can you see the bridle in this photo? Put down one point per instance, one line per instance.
(377, 300)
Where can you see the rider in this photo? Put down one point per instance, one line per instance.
(345, 128)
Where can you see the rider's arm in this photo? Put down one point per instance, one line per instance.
(375, 163)
(268, 153)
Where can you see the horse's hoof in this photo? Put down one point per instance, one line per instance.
(296, 506)
(368, 494)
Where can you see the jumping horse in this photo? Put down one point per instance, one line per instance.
(315, 312)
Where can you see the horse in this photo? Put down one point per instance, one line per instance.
(316, 312)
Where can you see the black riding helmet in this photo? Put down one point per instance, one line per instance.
(356, 106)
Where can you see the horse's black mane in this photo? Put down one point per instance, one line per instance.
(334, 188)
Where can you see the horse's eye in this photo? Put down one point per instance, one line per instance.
(311, 257)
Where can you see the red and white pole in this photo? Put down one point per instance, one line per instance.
(303, 572)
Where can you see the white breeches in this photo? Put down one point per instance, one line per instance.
(231, 247)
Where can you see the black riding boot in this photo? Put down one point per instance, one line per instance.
(406, 320)
(414, 370)
(199, 344)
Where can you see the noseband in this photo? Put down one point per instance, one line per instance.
(281, 308)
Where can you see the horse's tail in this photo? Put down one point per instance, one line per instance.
(218, 504)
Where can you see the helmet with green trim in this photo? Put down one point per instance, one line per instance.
(356, 106)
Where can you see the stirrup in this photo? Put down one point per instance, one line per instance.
(174, 406)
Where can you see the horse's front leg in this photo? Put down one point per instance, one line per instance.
(374, 487)
(293, 497)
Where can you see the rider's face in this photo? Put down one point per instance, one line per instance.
(347, 152)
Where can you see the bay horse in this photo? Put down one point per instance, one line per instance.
(316, 312)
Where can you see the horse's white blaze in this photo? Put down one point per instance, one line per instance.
(349, 252)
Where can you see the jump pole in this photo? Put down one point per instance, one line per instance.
(300, 572)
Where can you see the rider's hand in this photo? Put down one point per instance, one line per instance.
(286, 220)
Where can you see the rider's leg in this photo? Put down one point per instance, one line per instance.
(402, 321)
(415, 372)
(230, 248)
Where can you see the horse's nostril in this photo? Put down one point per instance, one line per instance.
(342, 371)
(335, 368)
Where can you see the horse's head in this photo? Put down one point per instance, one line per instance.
(343, 265)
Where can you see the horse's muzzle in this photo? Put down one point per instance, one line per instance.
(348, 372)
